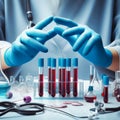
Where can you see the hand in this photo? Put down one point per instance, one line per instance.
(84, 40)
(28, 44)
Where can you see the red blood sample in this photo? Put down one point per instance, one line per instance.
(90, 99)
(53, 82)
(63, 82)
(60, 81)
(105, 99)
(68, 82)
(49, 80)
(41, 85)
(90, 96)
(75, 81)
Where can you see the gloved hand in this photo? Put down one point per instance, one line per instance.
(28, 44)
(84, 40)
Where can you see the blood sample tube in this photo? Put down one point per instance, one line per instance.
(68, 75)
(63, 77)
(41, 76)
(105, 88)
(59, 70)
(49, 75)
(53, 77)
(75, 76)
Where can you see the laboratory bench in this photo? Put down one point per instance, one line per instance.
(82, 109)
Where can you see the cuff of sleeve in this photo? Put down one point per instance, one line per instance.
(115, 60)
(4, 64)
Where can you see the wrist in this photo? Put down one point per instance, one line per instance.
(3, 61)
(115, 60)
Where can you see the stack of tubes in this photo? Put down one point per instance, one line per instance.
(64, 76)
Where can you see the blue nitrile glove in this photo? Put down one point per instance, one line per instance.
(84, 40)
(28, 44)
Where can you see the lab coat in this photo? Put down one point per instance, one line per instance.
(103, 16)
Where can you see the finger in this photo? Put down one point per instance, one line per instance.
(81, 40)
(50, 35)
(43, 23)
(33, 44)
(18, 48)
(73, 31)
(91, 43)
(70, 39)
(36, 33)
(64, 21)
(59, 30)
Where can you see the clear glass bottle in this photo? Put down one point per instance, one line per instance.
(117, 86)
(4, 81)
(90, 96)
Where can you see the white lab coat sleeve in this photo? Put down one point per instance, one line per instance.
(13, 71)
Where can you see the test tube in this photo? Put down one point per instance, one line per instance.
(53, 77)
(41, 75)
(68, 75)
(105, 88)
(91, 73)
(75, 76)
(59, 70)
(49, 75)
(63, 77)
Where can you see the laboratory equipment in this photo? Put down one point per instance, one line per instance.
(75, 76)
(63, 77)
(41, 75)
(53, 77)
(105, 88)
(23, 109)
(65, 85)
(68, 75)
(4, 81)
(35, 108)
(90, 96)
(81, 88)
(49, 75)
(91, 73)
(100, 110)
(59, 74)
(117, 86)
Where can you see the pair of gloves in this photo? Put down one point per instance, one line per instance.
(83, 40)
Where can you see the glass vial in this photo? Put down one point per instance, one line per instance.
(63, 77)
(117, 86)
(41, 76)
(49, 75)
(68, 75)
(90, 96)
(75, 76)
(105, 88)
(59, 74)
(53, 77)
